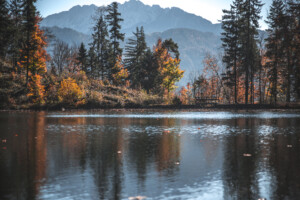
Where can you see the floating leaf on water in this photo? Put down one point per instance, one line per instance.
(247, 155)
(137, 198)
(289, 146)
(198, 128)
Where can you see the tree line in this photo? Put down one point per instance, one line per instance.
(74, 74)
(258, 67)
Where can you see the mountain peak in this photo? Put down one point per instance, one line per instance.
(135, 13)
(133, 3)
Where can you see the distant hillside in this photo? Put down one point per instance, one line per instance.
(68, 35)
(135, 13)
(193, 45)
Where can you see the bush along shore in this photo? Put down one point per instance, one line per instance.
(67, 92)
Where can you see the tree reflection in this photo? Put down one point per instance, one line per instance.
(106, 161)
(23, 165)
(238, 170)
(285, 160)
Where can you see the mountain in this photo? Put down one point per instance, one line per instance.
(135, 13)
(195, 35)
(68, 35)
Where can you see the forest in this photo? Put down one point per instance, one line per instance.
(255, 67)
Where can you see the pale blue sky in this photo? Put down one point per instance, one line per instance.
(208, 9)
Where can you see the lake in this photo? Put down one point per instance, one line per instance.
(150, 154)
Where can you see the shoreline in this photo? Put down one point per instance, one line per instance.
(161, 107)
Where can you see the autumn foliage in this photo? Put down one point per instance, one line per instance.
(70, 93)
(121, 73)
(168, 68)
(35, 89)
(34, 54)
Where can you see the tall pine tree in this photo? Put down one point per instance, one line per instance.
(114, 19)
(248, 18)
(230, 44)
(101, 47)
(274, 46)
(29, 14)
(294, 12)
(17, 36)
(82, 58)
(135, 54)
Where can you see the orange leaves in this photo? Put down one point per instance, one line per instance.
(121, 73)
(184, 95)
(70, 93)
(36, 89)
(209, 85)
(168, 67)
(34, 54)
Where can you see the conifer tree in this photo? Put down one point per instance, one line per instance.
(135, 53)
(274, 45)
(91, 61)
(34, 54)
(113, 18)
(149, 71)
(101, 46)
(82, 57)
(34, 57)
(230, 37)
(17, 37)
(248, 18)
(294, 12)
(29, 15)
(4, 28)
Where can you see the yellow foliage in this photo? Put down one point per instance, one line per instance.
(121, 73)
(70, 93)
(171, 73)
(168, 68)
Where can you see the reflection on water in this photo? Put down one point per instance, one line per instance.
(106, 155)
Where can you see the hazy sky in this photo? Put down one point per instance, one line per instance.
(208, 9)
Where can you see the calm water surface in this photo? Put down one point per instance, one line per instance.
(158, 155)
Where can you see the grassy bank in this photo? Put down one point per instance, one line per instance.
(69, 91)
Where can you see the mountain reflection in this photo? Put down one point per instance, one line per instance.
(161, 158)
